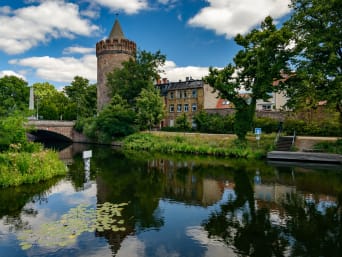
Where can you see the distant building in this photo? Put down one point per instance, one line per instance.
(110, 54)
(189, 97)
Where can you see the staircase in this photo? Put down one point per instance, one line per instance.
(284, 143)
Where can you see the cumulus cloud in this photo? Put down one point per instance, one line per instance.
(230, 17)
(62, 69)
(4, 73)
(27, 27)
(174, 73)
(128, 6)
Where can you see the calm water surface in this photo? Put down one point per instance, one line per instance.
(135, 204)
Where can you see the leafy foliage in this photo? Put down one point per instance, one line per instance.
(29, 168)
(116, 120)
(317, 55)
(49, 103)
(12, 132)
(257, 65)
(82, 98)
(14, 95)
(182, 122)
(150, 108)
(135, 75)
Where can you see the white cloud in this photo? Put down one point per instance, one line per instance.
(62, 69)
(230, 17)
(174, 73)
(128, 6)
(213, 246)
(4, 73)
(78, 50)
(27, 27)
(131, 246)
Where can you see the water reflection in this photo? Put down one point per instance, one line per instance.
(182, 206)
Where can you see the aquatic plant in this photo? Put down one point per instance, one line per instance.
(80, 219)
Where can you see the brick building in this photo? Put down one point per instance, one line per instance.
(189, 97)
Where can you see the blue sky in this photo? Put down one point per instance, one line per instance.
(54, 40)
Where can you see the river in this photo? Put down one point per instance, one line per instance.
(131, 204)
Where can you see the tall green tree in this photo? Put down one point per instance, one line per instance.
(82, 97)
(14, 95)
(150, 107)
(49, 102)
(262, 60)
(317, 37)
(136, 74)
(117, 119)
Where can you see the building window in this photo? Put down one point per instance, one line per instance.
(266, 107)
(179, 107)
(194, 93)
(186, 107)
(194, 107)
(184, 94)
(171, 123)
(172, 108)
(171, 95)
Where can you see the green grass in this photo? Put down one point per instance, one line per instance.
(329, 147)
(28, 168)
(200, 144)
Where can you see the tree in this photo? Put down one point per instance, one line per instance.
(182, 122)
(12, 131)
(150, 107)
(257, 65)
(117, 119)
(135, 75)
(317, 37)
(50, 103)
(14, 95)
(82, 97)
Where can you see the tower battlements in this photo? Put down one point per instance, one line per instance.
(114, 46)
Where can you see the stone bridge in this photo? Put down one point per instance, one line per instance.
(56, 130)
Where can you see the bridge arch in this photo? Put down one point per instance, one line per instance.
(52, 130)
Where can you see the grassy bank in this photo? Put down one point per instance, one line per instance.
(200, 144)
(27, 168)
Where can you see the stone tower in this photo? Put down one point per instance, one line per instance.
(110, 54)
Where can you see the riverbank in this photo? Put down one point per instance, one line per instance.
(225, 145)
(29, 168)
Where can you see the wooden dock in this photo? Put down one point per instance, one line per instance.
(305, 157)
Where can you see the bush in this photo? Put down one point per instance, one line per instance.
(268, 125)
(311, 129)
(214, 123)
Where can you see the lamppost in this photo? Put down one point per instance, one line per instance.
(37, 105)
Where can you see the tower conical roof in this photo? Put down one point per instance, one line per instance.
(116, 31)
